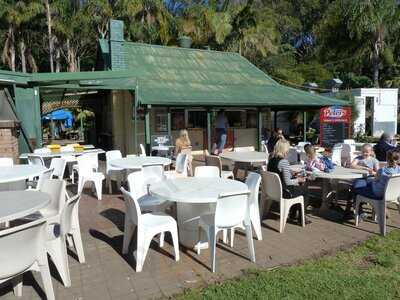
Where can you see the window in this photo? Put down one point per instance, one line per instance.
(177, 119)
(197, 119)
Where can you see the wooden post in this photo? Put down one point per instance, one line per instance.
(147, 132)
(275, 119)
(209, 131)
(304, 126)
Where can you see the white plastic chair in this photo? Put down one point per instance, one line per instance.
(93, 158)
(58, 165)
(56, 245)
(131, 156)
(213, 160)
(113, 173)
(6, 162)
(36, 185)
(206, 171)
(181, 167)
(337, 154)
(142, 150)
(392, 194)
(300, 145)
(86, 173)
(138, 185)
(293, 156)
(253, 182)
(153, 173)
(349, 142)
(231, 210)
(347, 154)
(148, 226)
(35, 160)
(23, 249)
(273, 189)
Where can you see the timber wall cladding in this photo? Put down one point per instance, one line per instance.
(8, 141)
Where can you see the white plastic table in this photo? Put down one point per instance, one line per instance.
(20, 172)
(339, 173)
(61, 154)
(194, 197)
(18, 204)
(139, 161)
(245, 156)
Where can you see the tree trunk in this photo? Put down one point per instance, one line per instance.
(12, 47)
(50, 36)
(71, 57)
(22, 49)
(31, 61)
(58, 59)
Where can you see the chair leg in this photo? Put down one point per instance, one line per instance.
(232, 237)
(58, 252)
(98, 186)
(303, 216)
(250, 242)
(212, 244)
(17, 285)
(77, 238)
(198, 240)
(256, 221)
(108, 183)
(380, 209)
(162, 237)
(46, 277)
(283, 217)
(81, 184)
(356, 211)
(143, 244)
(225, 236)
(175, 242)
(128, 233)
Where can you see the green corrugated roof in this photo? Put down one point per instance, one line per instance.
(181, 76)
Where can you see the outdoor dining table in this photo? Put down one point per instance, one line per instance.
(61, 154)
(244, 159)
(18, 204)
(138, 162)
(194, 197)
(14, 177)
(338, 173)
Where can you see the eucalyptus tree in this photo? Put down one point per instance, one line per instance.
(17, 15)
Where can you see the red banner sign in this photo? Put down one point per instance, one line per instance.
(334, 125)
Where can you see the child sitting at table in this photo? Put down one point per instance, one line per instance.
(366, 161)
(313, 162)
(327, 160)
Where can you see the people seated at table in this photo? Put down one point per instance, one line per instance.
(326, 159)
(313, 162)
(183, 145)
(276, 136)
(383, 146)
(374, 187)
(292, 186)
(366, 161)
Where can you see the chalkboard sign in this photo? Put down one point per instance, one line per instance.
(334, 125)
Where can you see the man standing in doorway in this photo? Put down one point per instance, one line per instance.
(221, 126)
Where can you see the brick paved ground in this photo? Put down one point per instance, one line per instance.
(108, 274)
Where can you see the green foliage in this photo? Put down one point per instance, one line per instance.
(369, 271)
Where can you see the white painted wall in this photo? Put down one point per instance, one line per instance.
(384, 109)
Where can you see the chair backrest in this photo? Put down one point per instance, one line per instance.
(131, 206)
(181, 165)
(67, 214)
(137, 184)
(58, 166)
(56, 188)
(244, 149)
(265, 147)
(232, 209)
(300, 145)
(207, 171)
(131, 155)
(110, 155)
(35, 160)
(142, 150)
(46, 175)
(337, 154)
(349, 142)
(89, 161)
(253, 182)
(293, 156)
(67, 148)
(42, 151)
(272, 186)
(392, 189)
(153, 173)
(6, 162)
(213, 160)
(20, 247)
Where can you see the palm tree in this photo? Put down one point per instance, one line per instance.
(374, 19)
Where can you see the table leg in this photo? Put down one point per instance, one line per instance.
(325, 191)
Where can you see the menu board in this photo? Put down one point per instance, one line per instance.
(334, 125)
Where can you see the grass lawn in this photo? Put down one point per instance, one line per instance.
(368, 271)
